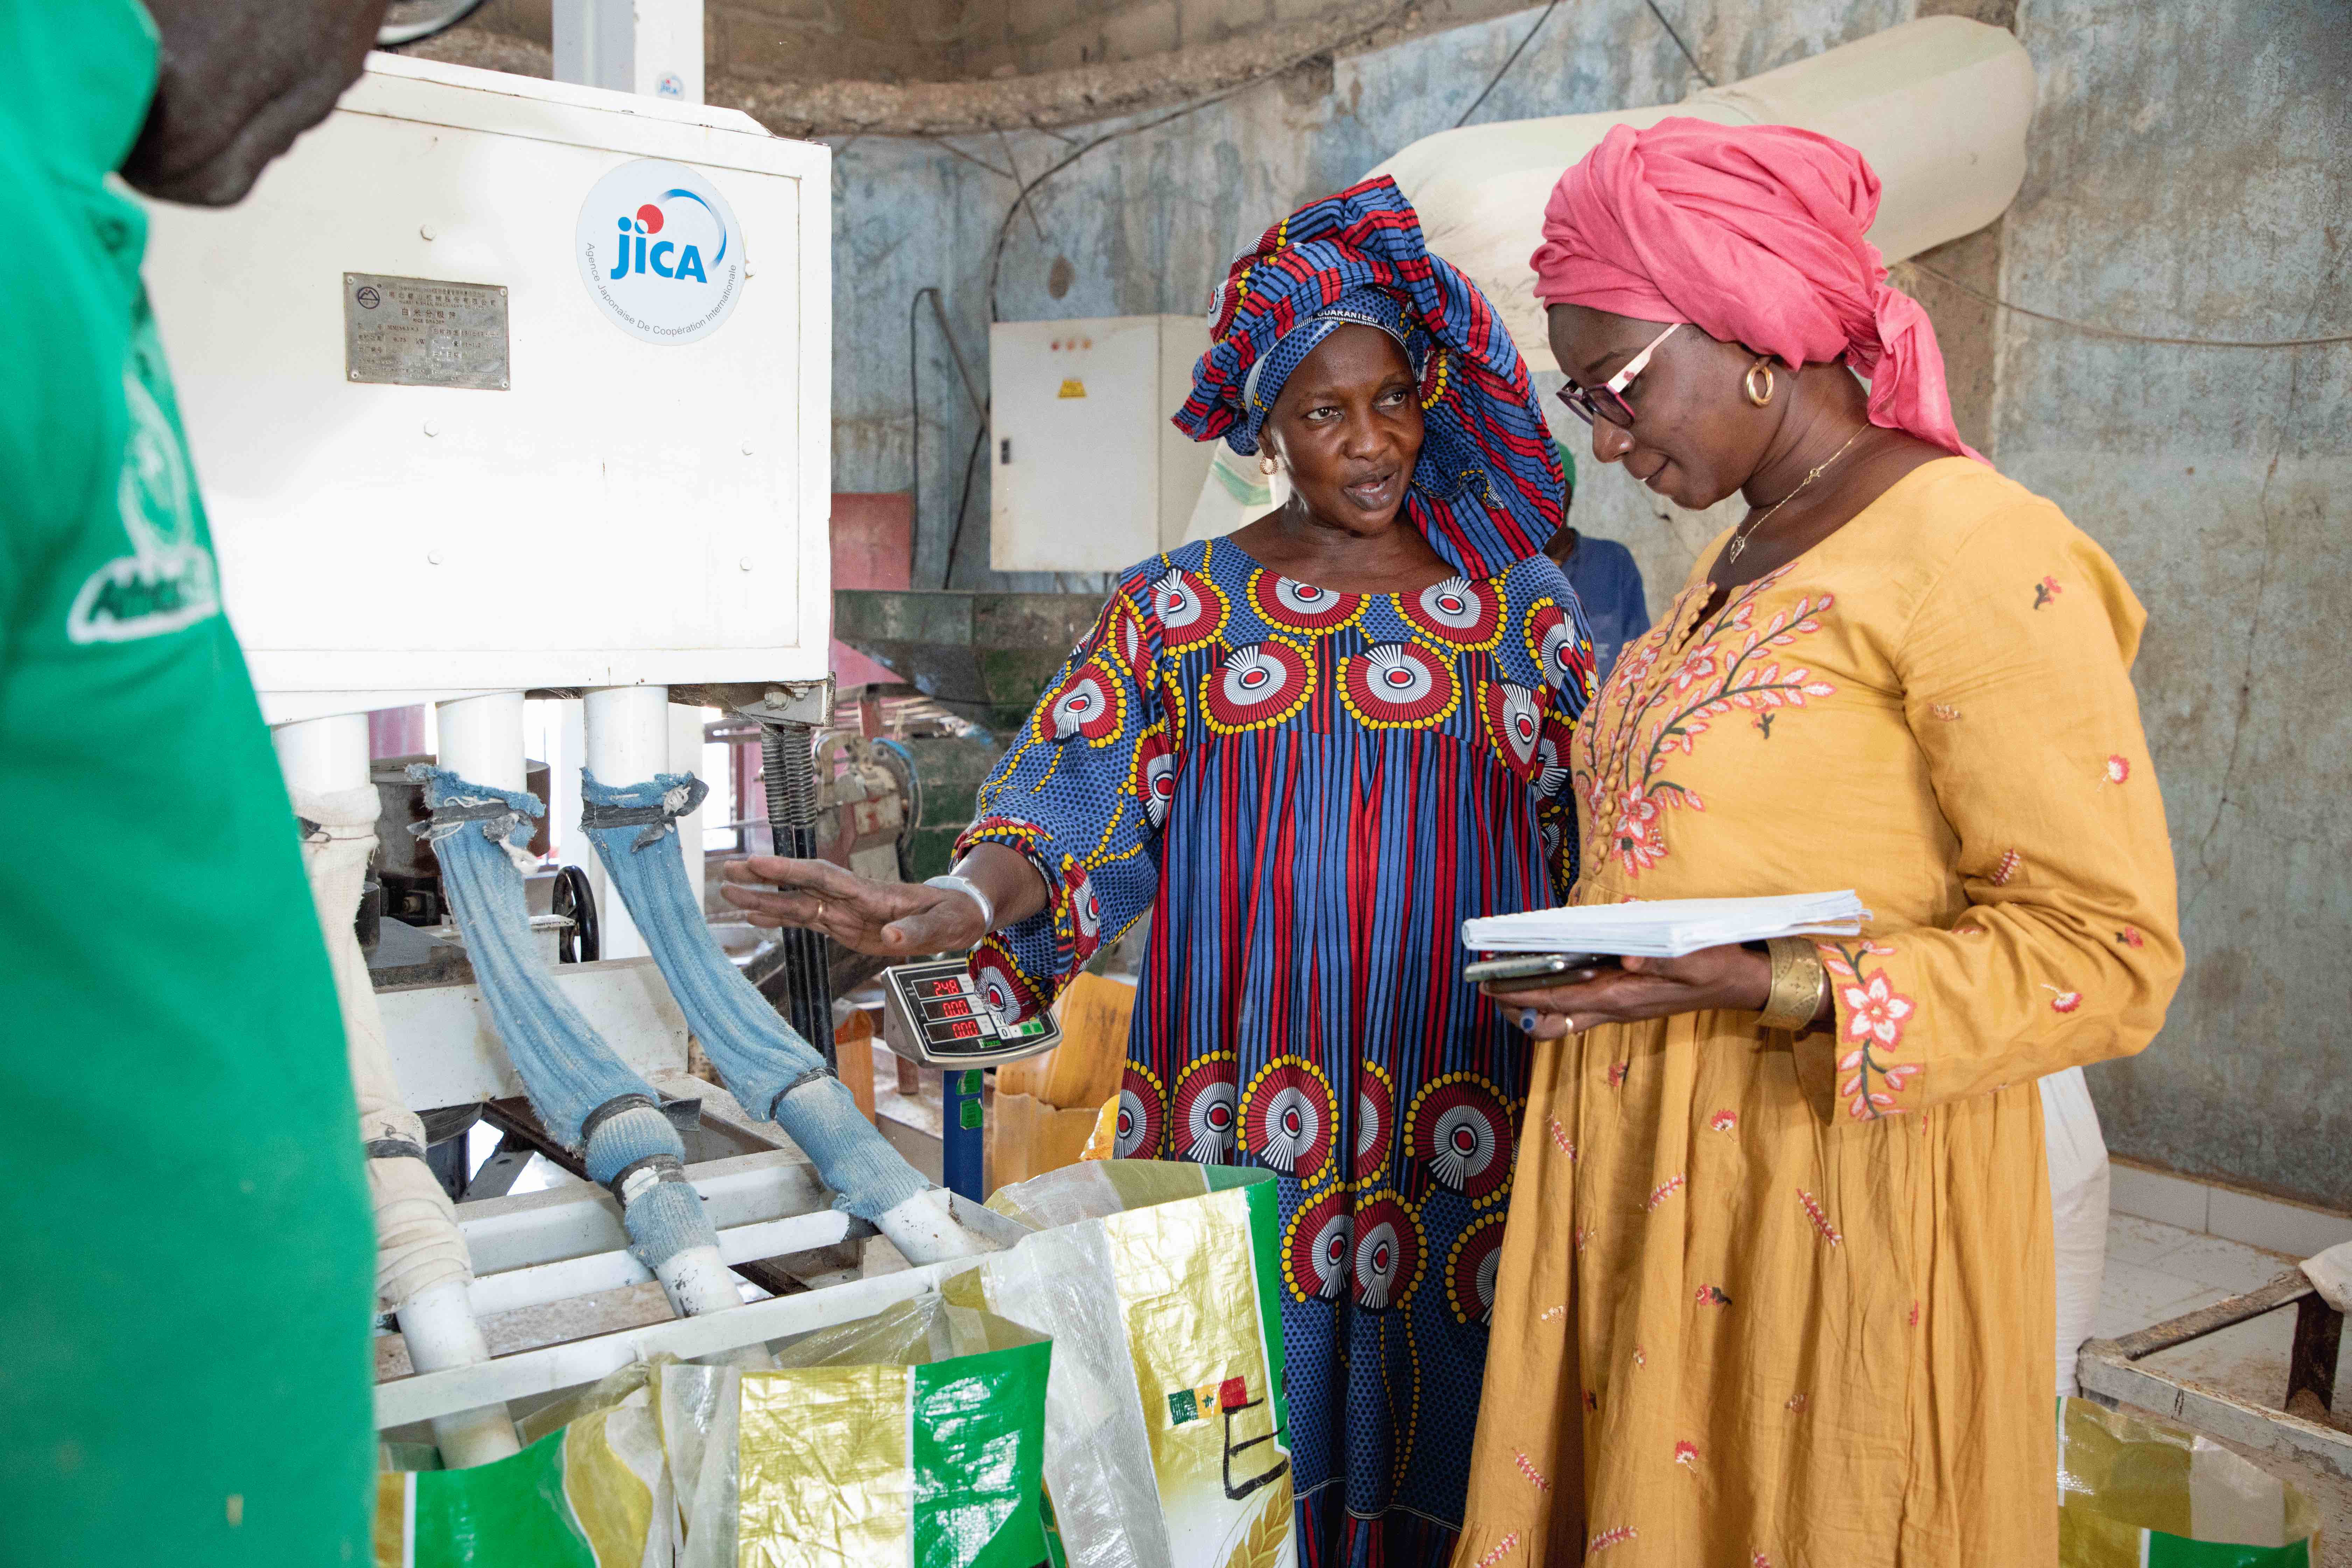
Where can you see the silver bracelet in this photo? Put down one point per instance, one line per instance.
(970, 889)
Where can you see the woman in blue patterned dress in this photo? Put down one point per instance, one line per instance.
(1312, 750)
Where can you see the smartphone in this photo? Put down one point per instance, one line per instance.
(1526, 971)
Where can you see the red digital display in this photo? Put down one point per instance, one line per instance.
(954, 987)
(955, 1007)
(964, 1030)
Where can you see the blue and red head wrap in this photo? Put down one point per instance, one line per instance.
(1488, 489)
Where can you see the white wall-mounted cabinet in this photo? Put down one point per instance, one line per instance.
(1087, 473)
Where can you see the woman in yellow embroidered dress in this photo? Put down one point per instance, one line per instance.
(1781, 1297)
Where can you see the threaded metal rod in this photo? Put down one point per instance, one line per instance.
(786, 764)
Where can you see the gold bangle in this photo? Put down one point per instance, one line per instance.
(1799, 981)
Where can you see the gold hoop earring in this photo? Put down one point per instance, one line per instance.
(1759, 398)
(1266, 464)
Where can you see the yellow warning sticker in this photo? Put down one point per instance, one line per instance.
(1073, 387)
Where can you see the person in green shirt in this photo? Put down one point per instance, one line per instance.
(186, 1263)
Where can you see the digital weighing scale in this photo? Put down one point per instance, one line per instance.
(932, 1013)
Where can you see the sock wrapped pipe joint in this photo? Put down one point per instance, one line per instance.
(418, 1244)
(777, 1074)
(584, 1094)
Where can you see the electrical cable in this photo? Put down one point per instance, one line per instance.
(915, 406)
(979, 439)
(1014, 163)
(1677, 37)
(1982, 298)
(1494, 80)
(1004, 230)
(914, 427)
(964, 372)
(942, 142)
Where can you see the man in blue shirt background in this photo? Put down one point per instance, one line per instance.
(1607, 582)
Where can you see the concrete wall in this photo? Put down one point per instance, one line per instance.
(2191, 176)
(2187, 177)
(1149, 222)
(946, 40)
(1004, 36)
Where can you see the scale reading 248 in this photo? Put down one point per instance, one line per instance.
(937, 1011)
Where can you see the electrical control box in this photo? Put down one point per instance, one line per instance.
(1085, 472)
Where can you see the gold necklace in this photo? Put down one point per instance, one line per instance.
(1739, 540)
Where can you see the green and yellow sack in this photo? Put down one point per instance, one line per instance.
(595, 1493)
(1165, 1419)
(2137, 1492)
(915, 1438)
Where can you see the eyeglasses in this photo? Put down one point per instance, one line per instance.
(1608, 402)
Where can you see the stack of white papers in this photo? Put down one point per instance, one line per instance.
(1667, 928)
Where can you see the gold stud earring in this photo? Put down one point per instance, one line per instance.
(1266, 464)
(1759, 398)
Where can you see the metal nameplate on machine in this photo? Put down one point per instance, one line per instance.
(934, 1014)
(423, 331)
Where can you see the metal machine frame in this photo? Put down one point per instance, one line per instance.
(2108, 1372)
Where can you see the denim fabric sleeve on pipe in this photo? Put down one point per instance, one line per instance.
(776, 1073)
(567, 1068)
(638, 1155)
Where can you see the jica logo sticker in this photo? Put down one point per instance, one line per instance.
(660, 251)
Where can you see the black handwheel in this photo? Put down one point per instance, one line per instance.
(413, 21)
(576, 901)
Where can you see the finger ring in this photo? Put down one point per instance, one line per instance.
(1527, 1020)
(820, 911)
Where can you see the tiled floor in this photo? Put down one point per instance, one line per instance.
(2156, 1272)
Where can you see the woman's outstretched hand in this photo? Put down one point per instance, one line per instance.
(888, 919)
(1730, 978)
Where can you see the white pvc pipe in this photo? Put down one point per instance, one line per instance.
(329, 777)
(924, 1232)
(624, 732)
(624, 740)
(323, 755)
(699, 1282)
(481, 739)
(627, 732)
(441, 1332)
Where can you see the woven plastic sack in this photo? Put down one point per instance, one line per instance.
(2078, 1210)
(593, 1492)
(1166, 1413)
(2137, 1492)
(913, 1437)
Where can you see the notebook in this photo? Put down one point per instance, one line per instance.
(1666, 928)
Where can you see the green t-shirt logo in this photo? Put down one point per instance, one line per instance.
(168, 581)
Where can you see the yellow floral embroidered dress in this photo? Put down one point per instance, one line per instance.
(1774, 1302)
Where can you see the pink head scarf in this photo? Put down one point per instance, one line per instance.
(1754, 235)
